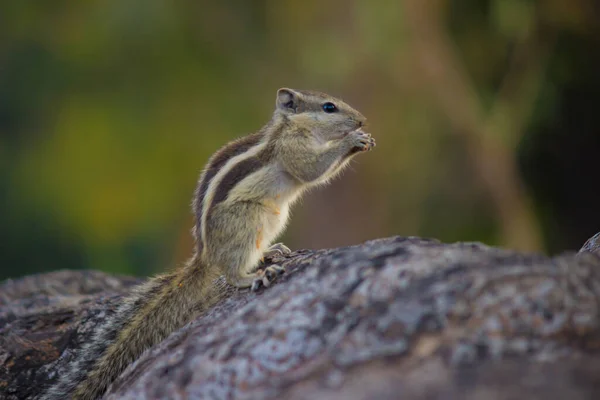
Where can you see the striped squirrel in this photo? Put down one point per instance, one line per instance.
(241, 204)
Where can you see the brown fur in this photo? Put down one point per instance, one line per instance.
(212, 167)
(233, 177)
(241, 203)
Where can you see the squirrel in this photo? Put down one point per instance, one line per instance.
(241, 204)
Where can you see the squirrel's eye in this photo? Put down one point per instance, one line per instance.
(329, 107)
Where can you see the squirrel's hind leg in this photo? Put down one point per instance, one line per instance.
(234, 244)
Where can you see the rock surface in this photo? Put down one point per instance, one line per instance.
(390, 318)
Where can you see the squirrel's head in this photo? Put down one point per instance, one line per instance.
(323, 114)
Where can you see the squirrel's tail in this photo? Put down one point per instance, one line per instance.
(148, 316)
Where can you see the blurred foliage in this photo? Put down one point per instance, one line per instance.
(485, 113)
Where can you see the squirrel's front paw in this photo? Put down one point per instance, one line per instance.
(277, 250)
(361, 141)
(264, 277)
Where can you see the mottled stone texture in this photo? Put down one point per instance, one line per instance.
(391, 318)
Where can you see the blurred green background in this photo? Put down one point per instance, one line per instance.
(486, 115)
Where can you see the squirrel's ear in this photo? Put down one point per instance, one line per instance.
(287, 100)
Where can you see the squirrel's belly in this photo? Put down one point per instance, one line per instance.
(273, 224)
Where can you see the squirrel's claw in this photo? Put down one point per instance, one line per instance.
(265, 277)
(278, 249)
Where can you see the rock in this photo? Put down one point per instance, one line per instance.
(390, 318)
(592, 245)
(46, 315)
